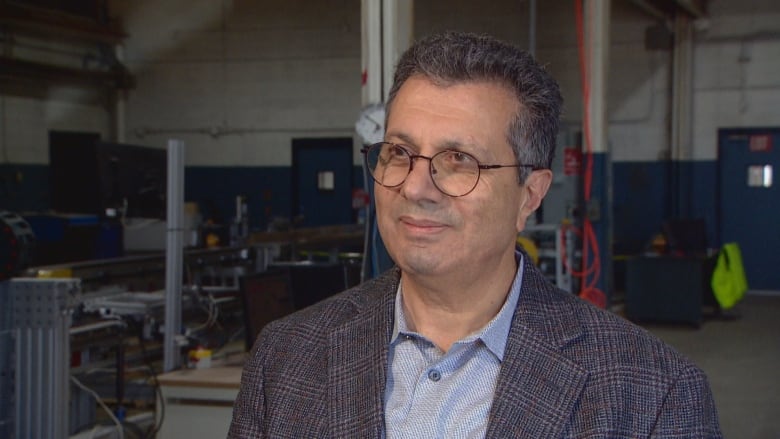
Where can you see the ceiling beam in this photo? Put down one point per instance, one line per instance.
(12, 69)
(41, 22)
(667, 9)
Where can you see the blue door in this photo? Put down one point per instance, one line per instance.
(322, 181)
(749, 163)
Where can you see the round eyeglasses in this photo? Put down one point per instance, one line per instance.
(454, 173)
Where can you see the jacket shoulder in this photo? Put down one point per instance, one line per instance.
(323, 317)
(592, 337)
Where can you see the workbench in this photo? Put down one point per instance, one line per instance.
(198, 402)
(669, 288)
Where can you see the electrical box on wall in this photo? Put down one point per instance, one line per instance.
(88, 176)
(564, 197)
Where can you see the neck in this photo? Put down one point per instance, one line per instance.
(449, 308)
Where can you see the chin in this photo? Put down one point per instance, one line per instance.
(420, 264)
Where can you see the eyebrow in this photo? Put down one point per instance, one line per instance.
(404, 138)
(457, 145)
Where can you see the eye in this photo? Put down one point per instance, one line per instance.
(395, 150)
(394, 155)
(459, 159)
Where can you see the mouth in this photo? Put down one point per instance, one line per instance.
(422, 225)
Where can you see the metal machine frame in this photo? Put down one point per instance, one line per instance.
(35, 381)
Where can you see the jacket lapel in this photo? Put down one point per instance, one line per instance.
(537, 390)
(538, 387)
(357, 363)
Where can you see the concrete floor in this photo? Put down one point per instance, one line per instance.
(741, 357)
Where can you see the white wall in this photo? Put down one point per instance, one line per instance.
(638, 79)
(736, 78)
(638, 98)
(737, 71)
(237, 80)
(25, 124)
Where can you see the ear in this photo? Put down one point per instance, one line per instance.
(535, 188)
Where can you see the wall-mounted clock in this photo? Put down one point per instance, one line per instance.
(370, 126)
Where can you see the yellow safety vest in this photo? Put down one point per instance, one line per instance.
(729, 283)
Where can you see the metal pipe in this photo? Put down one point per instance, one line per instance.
(682, 104)
(120, 376)
(120, 107)
(95, 326)
(532, 28)
(695, 10)
(217, 131)
(174, 254)
(650, 9)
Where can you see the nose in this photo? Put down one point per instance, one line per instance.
(419, 183)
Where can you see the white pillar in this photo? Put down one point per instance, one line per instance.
(597, 23)
(371, 51)
(598, 194)
(387, 30)
(397, 30)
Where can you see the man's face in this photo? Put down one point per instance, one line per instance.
(429, 233)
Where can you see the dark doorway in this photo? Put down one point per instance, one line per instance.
(73, 179)
(322, 181)
(749, 160)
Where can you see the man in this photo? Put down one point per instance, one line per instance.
(465, 337)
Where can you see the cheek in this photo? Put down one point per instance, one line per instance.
(501, 215)
(383, 202)
(503, 196)
(484, 217)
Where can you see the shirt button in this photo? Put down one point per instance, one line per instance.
(434, 375)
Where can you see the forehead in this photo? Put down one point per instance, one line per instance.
(469, 113)
(419, 84)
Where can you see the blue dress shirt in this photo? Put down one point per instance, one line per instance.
(432, 394)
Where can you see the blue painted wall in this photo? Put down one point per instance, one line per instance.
(642, 195)
(24, 188)
(705, 197)
(214, 189)
(599, 192)
(268, 191)
(640, 203)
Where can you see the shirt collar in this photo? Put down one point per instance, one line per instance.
(494, 334)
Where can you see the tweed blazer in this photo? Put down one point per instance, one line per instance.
(570, 370)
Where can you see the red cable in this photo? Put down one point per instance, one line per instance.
(590, 274)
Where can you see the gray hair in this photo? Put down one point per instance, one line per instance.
(457, 57)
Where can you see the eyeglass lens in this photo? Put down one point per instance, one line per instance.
(454, 173)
